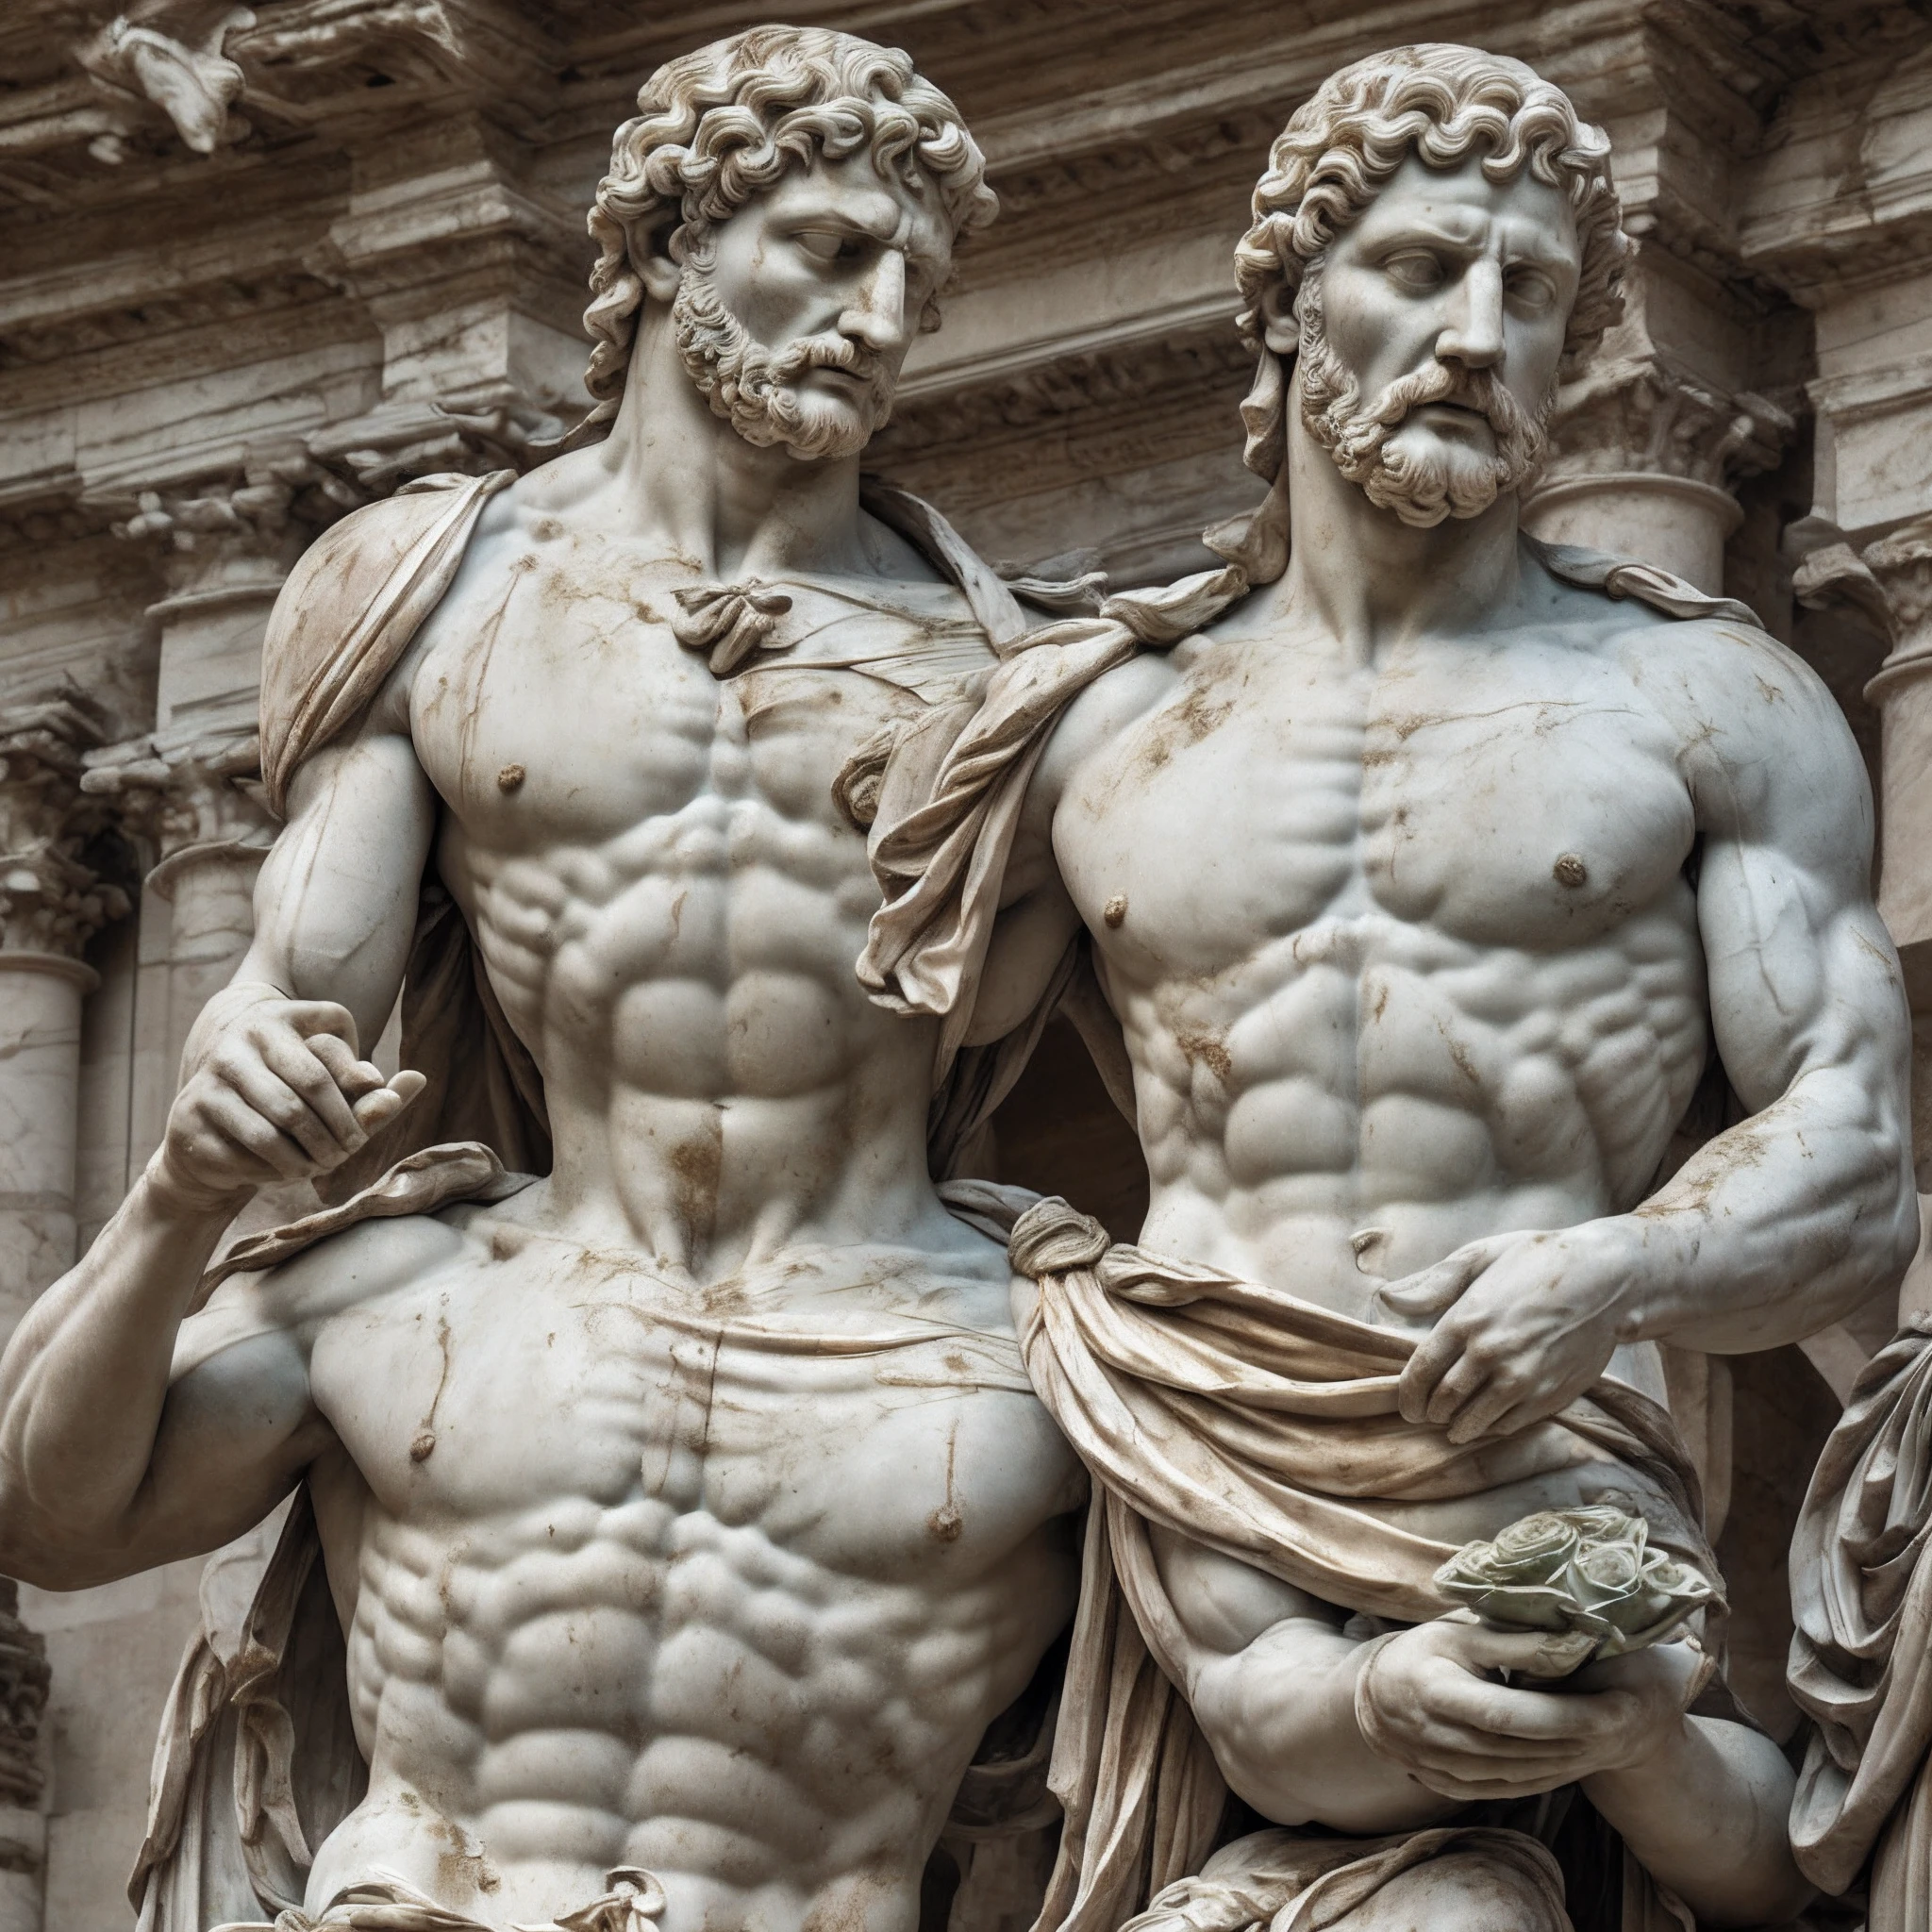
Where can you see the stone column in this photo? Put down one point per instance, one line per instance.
(52, 901)
(196, 809)
(1645, 453)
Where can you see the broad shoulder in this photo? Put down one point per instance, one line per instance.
(1108, 707)
(1755, 723)
(342, 1275)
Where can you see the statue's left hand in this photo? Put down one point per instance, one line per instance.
(1525, 1322)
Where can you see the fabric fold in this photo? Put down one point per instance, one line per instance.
(1264, 1427)
(1862, 1652)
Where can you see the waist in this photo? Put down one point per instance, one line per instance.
(1342, 1259)
(1322, 1237)
(400, 1851)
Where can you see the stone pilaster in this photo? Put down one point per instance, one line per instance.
(52, 901)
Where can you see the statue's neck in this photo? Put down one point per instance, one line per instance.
(1371, 580)
(686, 477)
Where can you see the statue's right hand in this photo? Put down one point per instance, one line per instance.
(1429, 1700)
(275, 1091)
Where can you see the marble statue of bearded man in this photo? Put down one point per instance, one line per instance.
(671, 1515)
(1428, 870)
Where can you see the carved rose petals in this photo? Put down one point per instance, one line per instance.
(1589, 1571)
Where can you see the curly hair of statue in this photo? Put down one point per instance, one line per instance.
(716, 126)
(1443, 104)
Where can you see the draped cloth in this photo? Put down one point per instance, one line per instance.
(633, 1901)
(1861, 1652)
(1266, 1428)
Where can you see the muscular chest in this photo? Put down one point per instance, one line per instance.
(543, 1392)
(554, 705)
(1524, 798)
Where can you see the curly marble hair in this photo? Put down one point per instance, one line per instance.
(719, 126)
(1443, 102)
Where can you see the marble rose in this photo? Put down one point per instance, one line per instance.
(1431, 874)
(681, 1497)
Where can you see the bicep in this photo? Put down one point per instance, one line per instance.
(1803, 974)
(237, 1430)
(335, 902)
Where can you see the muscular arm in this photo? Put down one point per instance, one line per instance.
(1782, 1223)
(132, 1433)
(107, 1467)
(1378, 1735)
(335, 903)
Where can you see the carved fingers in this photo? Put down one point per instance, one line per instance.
(279, 1093)
(1531, 1325)
(1432, 1701)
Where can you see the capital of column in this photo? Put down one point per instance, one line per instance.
(1645, 458)
(232, 534)
(1891, 583)
(52, 899)
(1636, 412)
(180, 802)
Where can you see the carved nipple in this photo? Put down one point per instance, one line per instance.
(1569, 871)
(728, 622)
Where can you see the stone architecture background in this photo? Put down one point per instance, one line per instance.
(259, 265)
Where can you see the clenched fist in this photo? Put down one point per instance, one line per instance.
(274, 1090)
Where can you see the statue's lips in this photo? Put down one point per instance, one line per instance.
(855, 381)
(1468, 411)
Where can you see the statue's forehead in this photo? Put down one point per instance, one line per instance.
(854, 192)
(1462, 203)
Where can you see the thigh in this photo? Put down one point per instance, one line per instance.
(1460, 1892)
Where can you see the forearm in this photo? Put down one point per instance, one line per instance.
(1706, 1816)
(84, 1379)
(1281, 1718)
(1777, 1226)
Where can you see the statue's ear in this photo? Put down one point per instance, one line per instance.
(1280, 329)
(650, 255)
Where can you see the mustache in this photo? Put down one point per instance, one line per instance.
(1443, 382)
(829, 352)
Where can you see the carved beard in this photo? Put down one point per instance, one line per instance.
(1421, 486)
(752, 386)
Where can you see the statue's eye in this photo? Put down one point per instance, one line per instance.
(1416, 270)
(1530, 289)
(828, 245)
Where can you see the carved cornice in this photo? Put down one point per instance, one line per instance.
(1016, 396)
(173, 73)
(52, 900)
(1638, 413)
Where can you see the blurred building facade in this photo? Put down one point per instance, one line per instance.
(259, 265)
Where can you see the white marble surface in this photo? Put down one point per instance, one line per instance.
(690, 1509)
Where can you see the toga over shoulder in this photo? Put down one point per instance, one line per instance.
(358, 597)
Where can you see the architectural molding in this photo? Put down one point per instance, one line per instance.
(1641, 412)
(52, 899)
